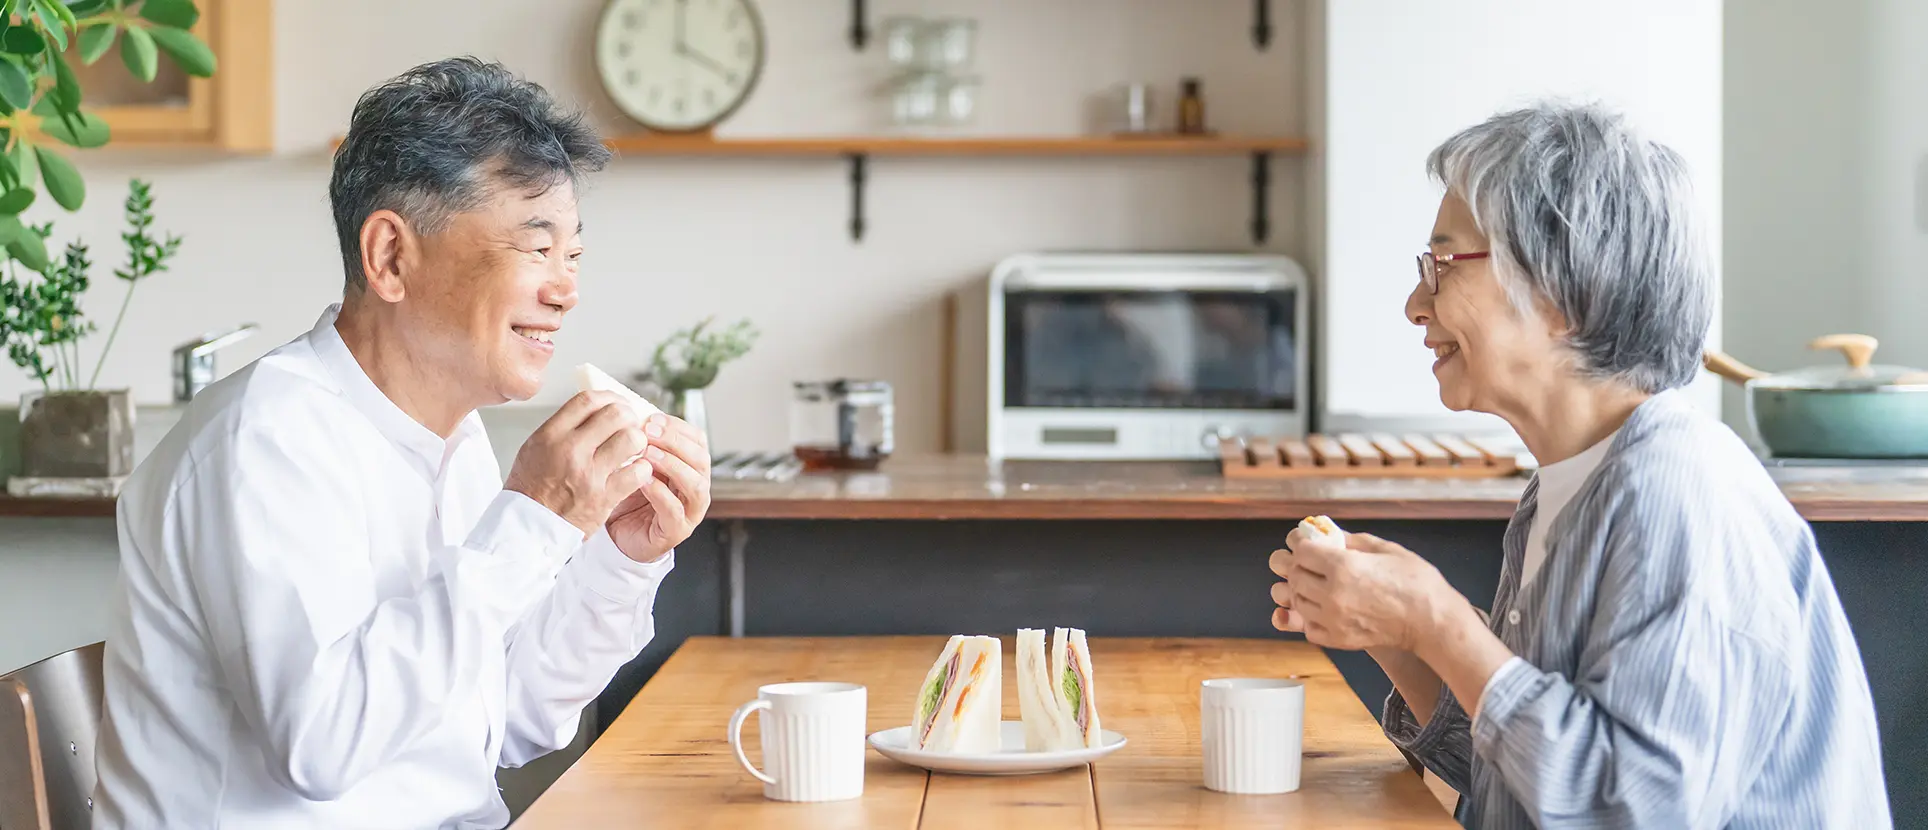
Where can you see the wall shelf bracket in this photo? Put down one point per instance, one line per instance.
(1261, 23)
(1261, 184)
(860, 28)
(858, 163)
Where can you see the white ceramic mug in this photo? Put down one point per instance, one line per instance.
(813, 740)
(1253, 731)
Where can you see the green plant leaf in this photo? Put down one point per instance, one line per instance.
(9, 175)
(21, 40)
(66, 86)
(188, 51)
(181, 14)
(16, 200)
(25, 162)
(64, 183)
(11, 229)
(51, 22)
(58, 8)
(96, 40)
(28, 247)
(85, 7)
(79, 129)
(137, 51)
(15, 87)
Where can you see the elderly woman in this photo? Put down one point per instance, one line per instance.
(1666, 648)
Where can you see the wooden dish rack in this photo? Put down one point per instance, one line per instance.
(1359, 455)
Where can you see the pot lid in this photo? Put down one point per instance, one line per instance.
(1861, 374)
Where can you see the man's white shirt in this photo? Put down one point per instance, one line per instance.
(331, 617)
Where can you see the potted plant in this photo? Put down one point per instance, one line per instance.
(699, 353)
(69, 428)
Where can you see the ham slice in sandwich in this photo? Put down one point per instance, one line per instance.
(959, 707)
(1055, 692)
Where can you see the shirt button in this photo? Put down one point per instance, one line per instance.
(1513, 617)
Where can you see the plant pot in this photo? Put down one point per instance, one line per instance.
(77, 434)
(691, 406)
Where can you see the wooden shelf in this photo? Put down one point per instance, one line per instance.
(1161, 145)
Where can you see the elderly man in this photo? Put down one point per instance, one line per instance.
(334, 612)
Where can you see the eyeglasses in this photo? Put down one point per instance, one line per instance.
(1429, 266)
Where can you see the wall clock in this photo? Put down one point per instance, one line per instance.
(679, 65)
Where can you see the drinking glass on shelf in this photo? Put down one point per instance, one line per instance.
(950, 43)
(915, 99)
(957, 99)
(904, 41)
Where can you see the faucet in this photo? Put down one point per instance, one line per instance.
(194, 360)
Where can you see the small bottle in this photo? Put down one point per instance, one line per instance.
(1191, 109)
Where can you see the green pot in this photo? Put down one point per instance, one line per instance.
(1862, 410)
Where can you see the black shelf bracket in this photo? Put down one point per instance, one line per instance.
(860, 28)
(1261, 23)
(858, 161)
(1261, 183)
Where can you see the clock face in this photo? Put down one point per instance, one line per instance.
(679, 65)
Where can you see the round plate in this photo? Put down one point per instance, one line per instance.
(1010, 759)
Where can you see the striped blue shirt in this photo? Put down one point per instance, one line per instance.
(1683, 661)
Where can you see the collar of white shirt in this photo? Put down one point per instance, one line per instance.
(425, 450)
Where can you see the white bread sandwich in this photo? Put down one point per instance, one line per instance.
(591, 379)
(1049, 724)
(1055, 692)
(1323, 529)
(960, 705)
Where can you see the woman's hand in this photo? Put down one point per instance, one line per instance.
(1368, 594)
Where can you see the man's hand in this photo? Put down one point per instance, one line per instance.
(573, 464)
(671, 504)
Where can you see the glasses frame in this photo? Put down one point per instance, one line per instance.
(1429, 265)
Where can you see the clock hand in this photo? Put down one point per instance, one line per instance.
(681, 5)
(708, 63)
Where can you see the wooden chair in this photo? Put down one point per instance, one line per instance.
(49, 720)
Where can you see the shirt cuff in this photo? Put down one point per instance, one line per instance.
(1505, 691)
(1403, 729)
(514, 523)
(615, 577)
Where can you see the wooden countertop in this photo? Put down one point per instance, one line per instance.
(665, 762)
(969, 487)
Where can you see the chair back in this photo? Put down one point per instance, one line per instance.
(49, 724)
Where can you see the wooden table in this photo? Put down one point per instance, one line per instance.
(666, 762)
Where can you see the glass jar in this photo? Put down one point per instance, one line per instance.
(841, 424)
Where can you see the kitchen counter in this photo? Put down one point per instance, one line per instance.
(970, 487)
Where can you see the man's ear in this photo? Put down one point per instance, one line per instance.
(390, 249)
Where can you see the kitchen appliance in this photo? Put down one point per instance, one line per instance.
(1143, 356)
(194, 360)
(1862, 410)
(842, 424)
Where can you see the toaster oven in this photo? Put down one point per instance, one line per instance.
(1142, 356)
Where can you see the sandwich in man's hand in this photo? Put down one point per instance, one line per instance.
(1323, 529)
(960, 705)
(1055, 694)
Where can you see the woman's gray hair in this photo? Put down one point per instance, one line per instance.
(1586, 215)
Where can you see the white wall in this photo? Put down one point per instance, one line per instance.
(1827, 180)
(673, 240)
(1400, 76)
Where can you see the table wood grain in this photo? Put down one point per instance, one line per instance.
(665, 762)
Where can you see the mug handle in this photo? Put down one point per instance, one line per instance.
(736, 737)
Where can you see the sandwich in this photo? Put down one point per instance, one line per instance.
(959, 707)
(1055, 694)
(1049, 725)
(591, 379)
(1323, 529)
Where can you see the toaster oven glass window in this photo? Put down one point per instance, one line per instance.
(1163, 350)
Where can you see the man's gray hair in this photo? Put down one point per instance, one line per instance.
(440, 139)
(1584, 214)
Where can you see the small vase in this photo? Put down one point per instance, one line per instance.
(86, 434)
(691, 406)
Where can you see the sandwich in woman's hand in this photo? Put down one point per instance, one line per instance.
(1055, 694)
(1323, 529)
(960, 704)
(591, 379)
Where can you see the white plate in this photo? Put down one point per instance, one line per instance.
(1010, 759)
